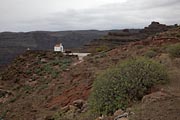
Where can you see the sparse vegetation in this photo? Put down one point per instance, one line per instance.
(174, 50)
(3, 115)
(117, 87)
(60, 116)
(140, 46)
(14, 98)
(49, 68)
(44, 86)
(50, 84)
(102, 48)
(27, 88)
(150, 54)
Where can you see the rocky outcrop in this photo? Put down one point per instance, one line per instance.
(155, 27)
(154, 97)
(72, 111)
(118, 115)
(122, 37)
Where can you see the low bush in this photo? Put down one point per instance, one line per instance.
(102, 48)
(150, 54)
(117, 87)
(174, 50)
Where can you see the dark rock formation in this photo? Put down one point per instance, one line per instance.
(155, 27)
(121, 37)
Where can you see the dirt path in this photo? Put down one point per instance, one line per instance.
(80, 57)
(174, 86)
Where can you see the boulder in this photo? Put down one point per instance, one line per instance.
(118, 112)
(65, 109)
(123, 116)
(84, 107)
(78, 103)
(100, 118)
(43, 60)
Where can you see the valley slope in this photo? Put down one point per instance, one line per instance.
(44, 85)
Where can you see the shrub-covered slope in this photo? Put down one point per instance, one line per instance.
(47, 85)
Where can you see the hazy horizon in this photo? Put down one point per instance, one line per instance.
(68, 15)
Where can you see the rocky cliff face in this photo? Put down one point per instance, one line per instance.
(121, 37)
(155, 27)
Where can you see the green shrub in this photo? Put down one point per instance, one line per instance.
(66, 61)
(27, 88)
(117, 87)
(47, 68)
(38, 71)
(55, 74)
(174, 50)
(102, 48)
(150, 54)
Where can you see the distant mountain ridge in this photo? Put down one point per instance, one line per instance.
(12, 44)
(44, 85)
(121, 37)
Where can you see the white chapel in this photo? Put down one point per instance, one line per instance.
(59, 48)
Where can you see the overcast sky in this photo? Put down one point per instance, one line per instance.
(57, 15)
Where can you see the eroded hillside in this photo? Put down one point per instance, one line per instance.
(39, 85)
